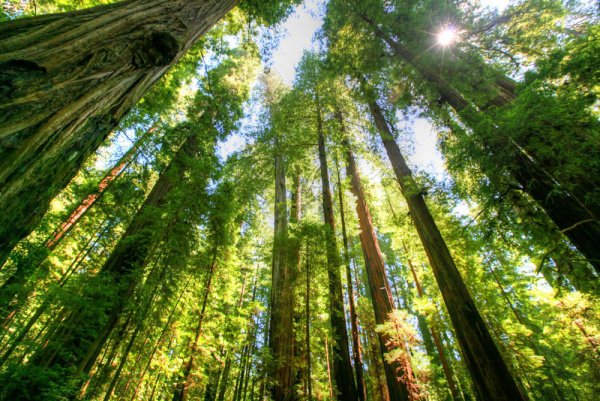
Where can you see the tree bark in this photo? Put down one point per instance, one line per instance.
(356, 349)
(381, 294)
(491, 377)
(281, 335)
(342, 368)
(80, 211)
(17, 280)
(578, 221)
(65, 82)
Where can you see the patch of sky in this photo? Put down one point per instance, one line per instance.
(296, 35)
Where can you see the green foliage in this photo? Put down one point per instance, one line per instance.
(537, 295)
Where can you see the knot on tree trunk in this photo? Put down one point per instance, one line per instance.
(157, 49)
(14, 70)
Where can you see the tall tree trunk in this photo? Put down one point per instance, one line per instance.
(441, 355)
(578, 221)
(281, 335)
(356, 351)
(185, 382)
(307, 330)
(342, 368)
(160, 340)
(491, 377)
(16, 281)
(65, 82)
(381, 294)
(80, 211)
(76, 345)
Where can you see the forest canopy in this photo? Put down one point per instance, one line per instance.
(412, 214)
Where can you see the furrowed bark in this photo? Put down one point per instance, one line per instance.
(65, 82)
(381, 294)
(491, 377)
(342, 368)
(281, 336)
(356, 349)
(16, 282)
(441, 354)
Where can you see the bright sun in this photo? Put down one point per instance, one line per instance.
(447, 36)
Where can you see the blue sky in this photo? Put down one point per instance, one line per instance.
(298, 35)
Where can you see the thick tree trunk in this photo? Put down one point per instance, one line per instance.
(281, 335)
(579, 221)
(356, 351)
(17, 280)
(381, 294)
(65, 82)
(491, 377)
(342, 368)
(76, 345)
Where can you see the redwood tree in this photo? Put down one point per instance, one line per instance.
(381, 294)
(66, 80)
(491, 377)
(342, 368)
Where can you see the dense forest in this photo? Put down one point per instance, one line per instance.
(179, 221)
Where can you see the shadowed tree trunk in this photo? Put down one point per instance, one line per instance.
(356, 349)
(76, 344)
(381, 294)
(65, 82)
(491, 377)
(342, 368)
(281, 335)
(579, 221)
(16, 283)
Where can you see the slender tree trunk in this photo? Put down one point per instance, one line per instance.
(141, 320)
(307, 331)
(160, 340)
(356, 351)
(281, 334)
(65, 82)
(578, 221)
(441, 355)
(491, 376)
(328, 369)
(184, 384)
(17, 284)
(50, 299)
(342, 368)
(224, 379)
(76, 347)
(295, 263)
(16, 281)
(80, 211)
(381, 294)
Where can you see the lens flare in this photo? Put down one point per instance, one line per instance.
(447, 36)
